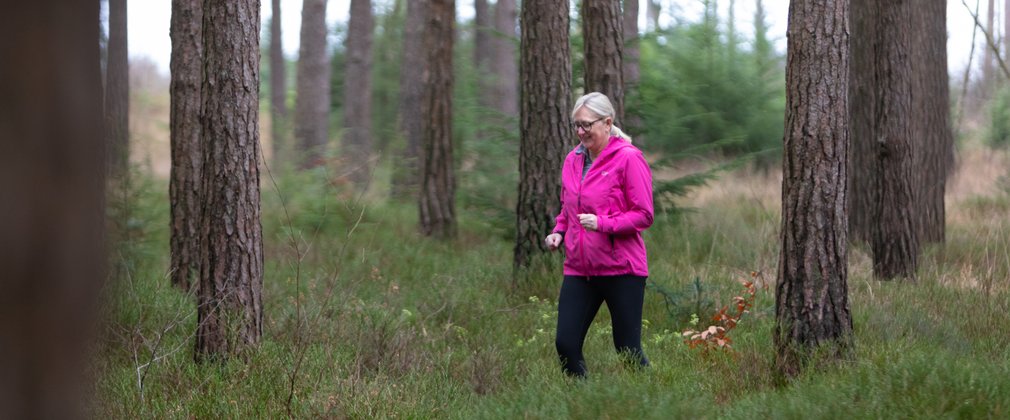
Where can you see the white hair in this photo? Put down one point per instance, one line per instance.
(598, 104)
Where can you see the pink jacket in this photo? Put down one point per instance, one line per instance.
(618, 190)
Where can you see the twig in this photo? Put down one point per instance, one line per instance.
(967, 73)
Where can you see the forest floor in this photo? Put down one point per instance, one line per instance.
(366, 318)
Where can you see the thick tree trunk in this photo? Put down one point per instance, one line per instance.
(931, 108)
(187, 151)
(357, 142)
(884, 187)
(312, 105)
(437, 198)
(117, 91)
(811, 300)
(506, 66)
(545, 121)
(412, 82)
(278, 87)
(482, 53)
(604, 44)
(52, 190)
(631, 58)
(230, 304)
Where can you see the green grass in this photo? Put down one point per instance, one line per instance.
(365, 318)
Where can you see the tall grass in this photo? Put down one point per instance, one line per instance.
(366, 318)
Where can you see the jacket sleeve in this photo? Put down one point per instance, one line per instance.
(561, 222)
(638, 196)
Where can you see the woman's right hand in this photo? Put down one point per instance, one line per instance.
(553, 241)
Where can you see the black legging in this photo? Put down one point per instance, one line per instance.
(578, 303)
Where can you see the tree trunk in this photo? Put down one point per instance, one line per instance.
(604, 45)
(882, 160)
(117, 91)
(545, 121)
(506, 66)
(482, 54)
(931, 108)
(230, 306)
(187, 150)
(312, 105)
(52, 190)
(357, 143)
(278, 87)
(652, 11)
(436, 201)
(631, 58)
(811, 299)
(412, 82)
(1006, 30)
(989, 60)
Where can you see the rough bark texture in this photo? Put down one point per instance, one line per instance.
(52, 189)
(604, 44)
(278, 86)
(882, 132)
(187, 153)
(437, 198)
(931, 108)
(230, 304)
(117, 91)
(357, 144)
(506, 67)
(312, 105)
(811, 299)
(413, 79)
(545, 136)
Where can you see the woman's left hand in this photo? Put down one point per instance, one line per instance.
(588, 221)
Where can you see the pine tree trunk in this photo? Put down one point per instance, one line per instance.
(312, 105)
(230, 304)
(357, 142)
(863, 111)
(278, 87)
(187, 151)
(52, 191)
(811, 300)
(931, 108)
(506, 66)
(652, 11)
(883, 98)
(631, 58)
(117, 91)
(436, 201)
(482, 54)
(412, 83)
(545, 121)
(604, 44)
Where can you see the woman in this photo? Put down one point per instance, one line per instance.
(606, 203)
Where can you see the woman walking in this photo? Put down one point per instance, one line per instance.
(606, 203)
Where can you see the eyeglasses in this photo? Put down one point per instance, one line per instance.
(585, 126)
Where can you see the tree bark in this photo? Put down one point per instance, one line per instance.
(652, 11)
(811, 300)
(117, 91)
(482, 54)
(230, 307)
(1006, 29)
(358, 94)
(187, 150)
(312, 105)
(882, 163)
(931, 108)
(413, 79)
(631, 60)
(545, 133)
(278, 86)
(506, 67)
(436, 202)
(989, 60)
(604, 44)
(52, 191)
